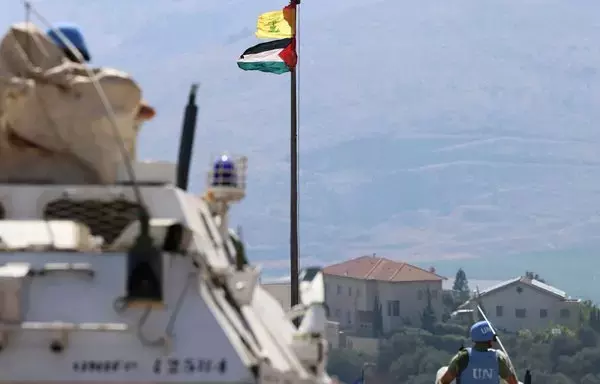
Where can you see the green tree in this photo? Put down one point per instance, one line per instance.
(590, 315)
(377, 318)
(460, 288)
(590, 379)
(423, 361)
(595, 319)
(587, 336)
(346, 364)
(556, 355)
(399, 344)
(428, 317)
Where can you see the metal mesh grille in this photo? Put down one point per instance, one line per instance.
(106, 219)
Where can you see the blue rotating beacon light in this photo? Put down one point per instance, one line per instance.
(224, 172)
(226, 178)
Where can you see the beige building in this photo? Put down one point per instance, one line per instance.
(352, 288)
(282, 293)
(524, 303)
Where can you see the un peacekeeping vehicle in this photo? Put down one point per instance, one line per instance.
(110, 270)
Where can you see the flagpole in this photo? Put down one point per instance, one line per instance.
(294, 247)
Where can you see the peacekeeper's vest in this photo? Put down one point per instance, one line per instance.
(482, 368)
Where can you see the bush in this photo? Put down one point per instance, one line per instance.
(447, 343)
(413, 355)
(346, 364)
(450, 329)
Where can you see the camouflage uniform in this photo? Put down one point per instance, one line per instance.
(460, 361)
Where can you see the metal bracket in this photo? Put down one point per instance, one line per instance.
(241, 284)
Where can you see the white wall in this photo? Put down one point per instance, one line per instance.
(534, 302)
(347, 296)
(412, 298)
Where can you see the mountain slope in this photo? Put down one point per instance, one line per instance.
(428, 131)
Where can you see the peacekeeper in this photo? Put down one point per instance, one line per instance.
(480, 364)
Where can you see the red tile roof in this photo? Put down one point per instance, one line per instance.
(382, 269)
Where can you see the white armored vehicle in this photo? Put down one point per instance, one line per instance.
(110, 271)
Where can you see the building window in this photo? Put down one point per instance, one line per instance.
(339, 289)
(393, 308)
(357, 292)
(420, 295)
(337, 313)
(520, 313)
(564, 313)
(349, 318)
(349, 291)
(543, 313)
(434, 294)
(499, 310)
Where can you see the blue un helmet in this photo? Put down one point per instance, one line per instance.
(73, 33)
(224, 172)
(482, 332)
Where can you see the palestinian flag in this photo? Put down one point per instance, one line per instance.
(277, 56)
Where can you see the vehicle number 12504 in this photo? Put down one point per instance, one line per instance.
(188, 365)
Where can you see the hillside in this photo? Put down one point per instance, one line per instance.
(428, 131)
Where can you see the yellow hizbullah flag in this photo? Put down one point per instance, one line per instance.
(277, 24)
